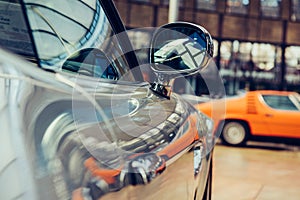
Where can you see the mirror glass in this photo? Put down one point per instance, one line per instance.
(180, 47)
(90, 62)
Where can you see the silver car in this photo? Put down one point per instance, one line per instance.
(77, 119)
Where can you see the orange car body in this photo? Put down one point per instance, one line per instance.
(261, 118)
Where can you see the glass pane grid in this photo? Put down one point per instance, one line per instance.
(295, 16)
(166, 2)
(237, 6)
(270, 8)
(206, 4)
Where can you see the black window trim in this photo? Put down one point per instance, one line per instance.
(118, 27)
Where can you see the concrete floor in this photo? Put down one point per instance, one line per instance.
(256, 172)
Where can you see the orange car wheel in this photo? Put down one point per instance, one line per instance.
(234, 133)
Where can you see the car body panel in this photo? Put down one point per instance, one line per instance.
(66, 135)
(48, 121)
(282, 122)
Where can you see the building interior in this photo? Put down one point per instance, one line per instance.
(256, 42)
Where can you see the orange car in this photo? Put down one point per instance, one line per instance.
(255, 113)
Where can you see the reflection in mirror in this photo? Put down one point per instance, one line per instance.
(90, 62)
(181, 48)
(178, 54)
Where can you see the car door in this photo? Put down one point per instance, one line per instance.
(79, 124)
(129, 143)
(282, 115)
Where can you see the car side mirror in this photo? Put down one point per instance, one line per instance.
(178, 49)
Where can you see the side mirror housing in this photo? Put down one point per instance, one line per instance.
(178, 49)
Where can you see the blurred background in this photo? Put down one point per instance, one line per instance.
(257, 43)
(257, 46)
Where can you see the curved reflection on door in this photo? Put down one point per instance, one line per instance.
(97, 164)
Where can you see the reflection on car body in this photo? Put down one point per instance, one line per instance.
(79, 123)
(257, 113)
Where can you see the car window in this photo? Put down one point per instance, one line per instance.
(279, 102)
(14, 34)
(59, 30)
(91, 62)
(295, 98)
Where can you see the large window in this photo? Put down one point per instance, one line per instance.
(295, 16)
(292, 59)
(246, 65)
(237, 6)
(140, 39)
(234, 53)
(166, 2)
(206, 4)
(141, 1)
(270, 8)
(265, 56)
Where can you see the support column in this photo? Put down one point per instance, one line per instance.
(173, 10)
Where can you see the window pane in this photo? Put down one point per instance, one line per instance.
(246, 65)
(295, 16)
(237, 6)
(166, 2)
(59, 32)
(143, 1)
(292, 58)
(225, 53)
(14, 31)
(140, 39)
(206, 4)
(270, 8)
(279, 102)
(264, 56)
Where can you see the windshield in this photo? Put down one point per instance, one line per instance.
(59, 30)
